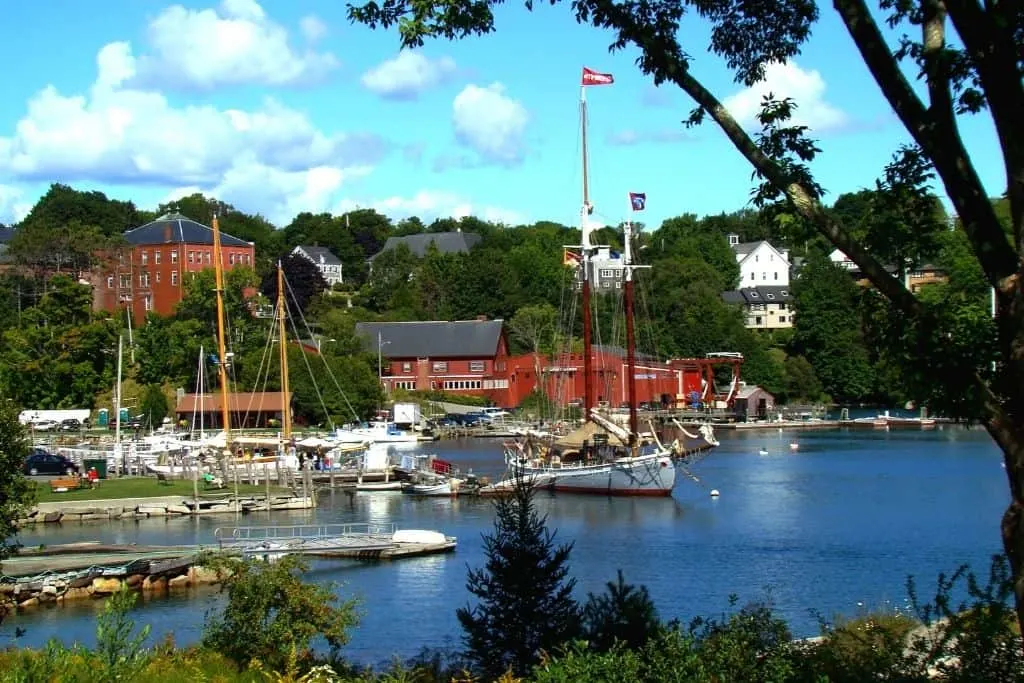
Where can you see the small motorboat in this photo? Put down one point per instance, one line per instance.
(447, 487)
(794, 446)
(763, 451)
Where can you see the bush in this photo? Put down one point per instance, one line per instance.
(622, 614)
(272, 616)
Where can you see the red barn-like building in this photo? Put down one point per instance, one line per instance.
(149, 273)
(458, 357)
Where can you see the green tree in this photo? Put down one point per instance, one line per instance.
(801, 381)
(271, 613)
(302, 279)
(827, 329)
(525, 594)
(153, 405)
(977, 69)
(16, 494)
(533, 330)
(622, 614)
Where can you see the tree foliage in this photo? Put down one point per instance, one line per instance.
(524, 591)
(15, 491)
(271, 613)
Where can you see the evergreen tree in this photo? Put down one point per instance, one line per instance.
(622, 614)
(524, 590)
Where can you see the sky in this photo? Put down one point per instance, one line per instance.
(279, 107)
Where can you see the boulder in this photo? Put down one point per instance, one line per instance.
(202, 575)
(178, 510)
(179, 582)
(135, 580)
(77, 593)
(49, 590)
(94, 517)
(8, 588)
(152, 511)
(31, 602)
(103, 585)
(154, 583)
(80, 582)
(52, 517)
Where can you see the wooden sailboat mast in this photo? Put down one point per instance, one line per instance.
(222, 365)
(588, 360)
(282, 312)
(634, 425)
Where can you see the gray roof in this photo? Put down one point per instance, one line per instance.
(6, 234)
(433, 339)
(446, 243)
(317, 253)
(173, 228)
(744, 248)
(758, 295)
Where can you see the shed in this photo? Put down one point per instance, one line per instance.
(753, 403)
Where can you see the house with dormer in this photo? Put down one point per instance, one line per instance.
(326, 262)
(764, 284)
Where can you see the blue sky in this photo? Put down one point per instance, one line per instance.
(280, 107)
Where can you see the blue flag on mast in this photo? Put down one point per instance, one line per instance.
(638, 200)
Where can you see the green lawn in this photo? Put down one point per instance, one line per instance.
(141, 487)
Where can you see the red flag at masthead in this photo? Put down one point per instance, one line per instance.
(591, 77)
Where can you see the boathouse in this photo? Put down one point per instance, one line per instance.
(245, 409)
(753, 403)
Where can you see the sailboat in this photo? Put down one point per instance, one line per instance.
(600, 457)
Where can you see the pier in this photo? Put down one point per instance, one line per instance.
(72, 571)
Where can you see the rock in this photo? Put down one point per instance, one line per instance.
(49, 590)
(46, 597)
(51, 517)
(94, 517)
(80, 582)
(220, 507)
(154, 583)
(179, 582)
(152, 511)
(31, 602)
(203, 575)
(8, 588)
(178, 510)
(135, 580)
(76, 511)
(77, 593)
(105, 585)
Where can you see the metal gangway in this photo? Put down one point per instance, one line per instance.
(305, 538)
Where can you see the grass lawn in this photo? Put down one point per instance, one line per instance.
(141, 487)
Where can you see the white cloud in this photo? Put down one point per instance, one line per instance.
(807, 88)
(13, 206)
(408, 74)
(270, 159)
(490, 123)
(313, 28)
(234, 44)
(431, 204)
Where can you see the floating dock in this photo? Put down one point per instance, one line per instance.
(84, 570)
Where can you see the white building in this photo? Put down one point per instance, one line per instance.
(322, 258)
(764, 285)
(842, 260)
(761, 264)
(606, 269)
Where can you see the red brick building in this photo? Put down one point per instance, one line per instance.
(148, 274)
(459, 357)
(471, 357)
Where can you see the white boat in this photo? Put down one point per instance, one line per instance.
(446, 487)
(378, 431)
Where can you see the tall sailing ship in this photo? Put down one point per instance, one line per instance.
(602, 457)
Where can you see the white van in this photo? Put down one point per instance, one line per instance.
(495, 413)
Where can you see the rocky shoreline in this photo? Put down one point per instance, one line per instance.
(144, 508)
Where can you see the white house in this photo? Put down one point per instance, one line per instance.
(761, 264)
(764, 284)
(322, 258)
(840, 259)
(607, 267)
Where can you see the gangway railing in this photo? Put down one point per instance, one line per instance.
(304, 537)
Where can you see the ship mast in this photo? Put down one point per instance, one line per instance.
(222, 367)
(630, 332)
(588, 379)
(282, 311)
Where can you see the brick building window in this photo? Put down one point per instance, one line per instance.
(174, 256)
(110, 282)
(476, 366)
(174, 277)
(406, 367)
(145, 257)
(191, 257)
(156, 256)
(157, 277)
(440, 366)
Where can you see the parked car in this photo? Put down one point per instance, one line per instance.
(45, 425)
(70, 425)
(42, 462)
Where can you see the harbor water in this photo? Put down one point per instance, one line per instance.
(835, 526)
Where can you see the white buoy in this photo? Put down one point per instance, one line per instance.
(794, 446)
(763, 451)
(714, 493)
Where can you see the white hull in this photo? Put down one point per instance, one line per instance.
(377, 432)
(646, 475)
(444, 488)
(380, 486)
